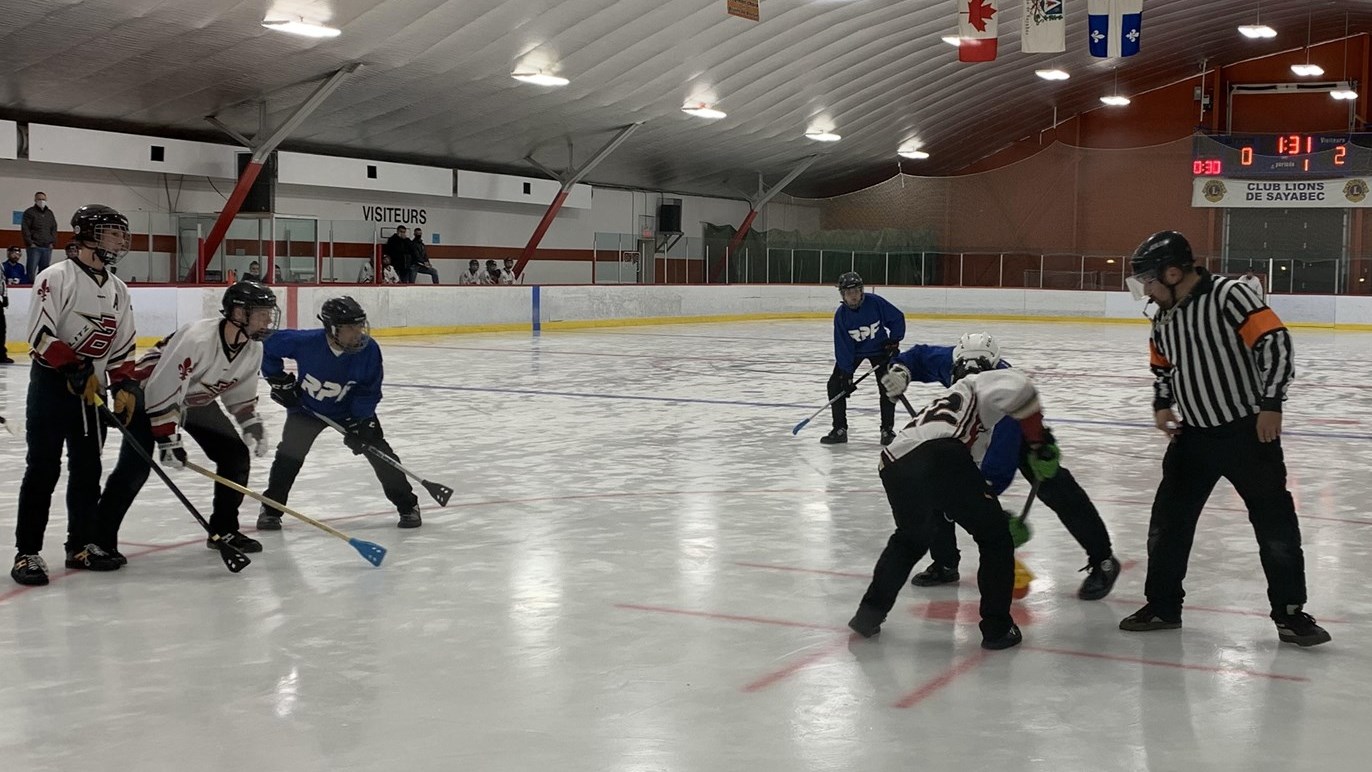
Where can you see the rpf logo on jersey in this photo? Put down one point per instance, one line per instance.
(866, 331)
(322, 390)
(95, 338)
(185, 368)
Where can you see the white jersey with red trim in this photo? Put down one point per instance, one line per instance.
(78, 312)
(967, 411)
(192, 367)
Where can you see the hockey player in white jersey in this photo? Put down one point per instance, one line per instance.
(931, 469)
(212, 360)
(82, 337)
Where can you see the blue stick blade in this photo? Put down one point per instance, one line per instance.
(373, 552)
(799, 426)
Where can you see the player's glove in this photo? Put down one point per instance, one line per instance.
(255, 435)
(895, 380)
(1019, 530)
(285, 390)
(891, 348)
(1044, 457)
(170, 453)
(124, 396)
(81, 380)
(361, 433)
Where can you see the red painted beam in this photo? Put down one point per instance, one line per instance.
(540, 231)
(735, 242)
(230, 211)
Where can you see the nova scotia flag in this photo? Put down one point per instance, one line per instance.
(1114, 26)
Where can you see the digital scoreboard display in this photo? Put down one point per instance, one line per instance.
(1281, 156)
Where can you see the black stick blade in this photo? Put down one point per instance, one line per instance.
(441, 493)
(233, 557)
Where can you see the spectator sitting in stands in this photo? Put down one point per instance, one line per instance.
(14, 269)
(388, 274)
(420, 253)
(492, 274)
(473, 274)
(254, 272)
(507, 275)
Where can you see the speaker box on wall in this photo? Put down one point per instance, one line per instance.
(261, 196)
(669, 216)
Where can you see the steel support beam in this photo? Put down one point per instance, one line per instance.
(755, 206)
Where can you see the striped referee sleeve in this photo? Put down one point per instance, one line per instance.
(1263, 332)
(1162, 372)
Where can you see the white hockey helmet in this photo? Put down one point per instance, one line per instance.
(975, 352)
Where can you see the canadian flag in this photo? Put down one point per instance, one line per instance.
(977, 30)
(1114, 27)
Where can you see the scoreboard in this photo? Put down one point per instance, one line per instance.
(1281, 156)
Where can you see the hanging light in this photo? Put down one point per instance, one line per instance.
(538, 77)
(952, 40)
(1344, 91)
(912, 152)
(1307, 70)
(1257, 30)
(1115, 100)
(702, 110)
(301, 27)
(822, 135)
(1052, 74)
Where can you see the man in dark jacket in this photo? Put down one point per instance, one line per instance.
(39, 229)
(14, 269)
(400, 250)
(421, 260)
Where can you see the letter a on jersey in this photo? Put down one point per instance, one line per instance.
(977, 30)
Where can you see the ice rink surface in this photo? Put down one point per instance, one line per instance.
(643, 570)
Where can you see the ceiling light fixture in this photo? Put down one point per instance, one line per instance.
(821, 135)
(1257, 30)
(1345, 89)
(301, 27)
(952, 40)
(1052, 74)
(538, 78)
(912, 152)
(1115, 100)
(702, 110)
(1344, 92)
(1307, 70)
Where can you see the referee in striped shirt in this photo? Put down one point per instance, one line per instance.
(1222, 360)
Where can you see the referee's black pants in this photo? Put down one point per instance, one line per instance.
(1062, 494)
(1194, 463)
(838, 379)
(939, 477)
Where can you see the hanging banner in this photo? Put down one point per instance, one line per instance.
(1045, 27)
(1276, 194)
(977, 30)
(1113, 27)
(744, 9)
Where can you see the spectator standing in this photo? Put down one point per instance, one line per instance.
(39, 229)
(400, 250)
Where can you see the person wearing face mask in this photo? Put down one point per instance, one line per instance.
(39, 229)
(338, 375)
(183, 379)
(81, 336)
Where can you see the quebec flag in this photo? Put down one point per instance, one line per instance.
(1114, 26)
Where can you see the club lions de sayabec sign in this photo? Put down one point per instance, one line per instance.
(1222, 192)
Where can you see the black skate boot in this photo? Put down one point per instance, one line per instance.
(887, 435)
(1299, 628)
(935, 575)
(835, 437)
(236, 539)
(268, 519)
(1101, 580)
(867, 621)
(29, 570)
(116, 555)
(1012, 637)
(1148, 619)
(409, 518)
(91, 558)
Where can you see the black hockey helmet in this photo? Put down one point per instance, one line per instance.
(249, 295)
(847, 281)
(1156, 254)
(104, 230)
(337, 312)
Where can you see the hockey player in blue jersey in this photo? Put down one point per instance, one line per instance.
(866, 326)
(338, 375)
(1007, 452)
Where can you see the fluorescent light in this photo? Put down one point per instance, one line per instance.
(1307, 70)
(911, 152)
(1115, 100)
(819, 135)
(1053, 74)
(702, 110)
(1344, 93)
(539, 78)
(952, 40)
(1256, 31)
(301, 27)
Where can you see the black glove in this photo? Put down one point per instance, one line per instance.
(891, 349)
(285, 390)
(361, 432)
(81, 380)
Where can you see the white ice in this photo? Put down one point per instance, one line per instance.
(643, 570)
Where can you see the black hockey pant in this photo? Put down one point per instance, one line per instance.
(938, 477)
(297, 437)
(840, 408)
